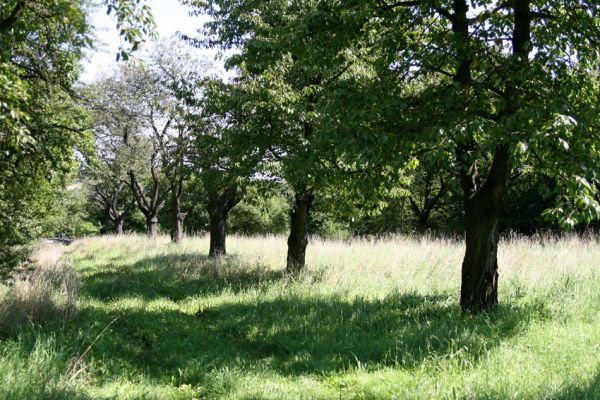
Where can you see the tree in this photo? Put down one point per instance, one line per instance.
(504, 95)
(150, 199)
(220, 161)
(122, 149)
(40, 122)
(431, 186)
(178, 79)
(286, 81)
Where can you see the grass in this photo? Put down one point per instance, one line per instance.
(367, 320)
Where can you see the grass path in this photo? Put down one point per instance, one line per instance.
(366, 321)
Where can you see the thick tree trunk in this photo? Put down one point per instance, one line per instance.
(152, 227)
(218, 206)
(422, 221)
(118, 223)
(218, 233)
(298, 238)
(479, 287)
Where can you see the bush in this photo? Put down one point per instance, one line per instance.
(260, 215)
(45, 293)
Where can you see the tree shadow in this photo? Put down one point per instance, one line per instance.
(297, 335)
(176, 277)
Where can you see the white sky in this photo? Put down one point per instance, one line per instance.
(170, 16)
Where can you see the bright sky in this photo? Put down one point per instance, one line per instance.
(170, 16)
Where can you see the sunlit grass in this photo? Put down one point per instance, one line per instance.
(368, 319)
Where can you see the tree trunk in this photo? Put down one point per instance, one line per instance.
(479, 286)
(152, 227)
(218, 233)
(178, 219)
(177, 232)
(298, 239)
(118, 223)
(218, 206)
(422, 221)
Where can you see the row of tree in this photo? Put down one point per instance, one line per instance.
(344, 102)
(348, 95)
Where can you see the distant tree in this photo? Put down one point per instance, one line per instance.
(430, 189)
(221, 163)
(179, 75)
(121, 149)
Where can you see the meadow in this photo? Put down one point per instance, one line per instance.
(134, 318)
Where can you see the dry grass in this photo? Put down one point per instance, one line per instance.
(371, 266)
(48, 292)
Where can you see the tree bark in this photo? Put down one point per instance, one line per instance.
(218, 233)
(298, 238)
(177, 231)
(479, 284)
(118, 223)
(152, 223)
(218, 206)
(479, 287)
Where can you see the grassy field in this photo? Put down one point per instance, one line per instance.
(368, 320)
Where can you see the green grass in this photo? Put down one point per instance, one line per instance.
(366, 321)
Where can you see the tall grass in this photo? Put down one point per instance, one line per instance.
(32, 365)
(366, 320)
(46, 293)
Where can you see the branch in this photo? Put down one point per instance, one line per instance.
(444, 13)
(405, 3)
(155, 178)
(138, 194)
(115, 196)
(103, 198)
(542, 14)
(67, 128)
(415, 207)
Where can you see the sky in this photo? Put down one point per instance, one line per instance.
(171, 17)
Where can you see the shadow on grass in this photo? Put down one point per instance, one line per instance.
(591, 391)
(176, 277)
(295, 335)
